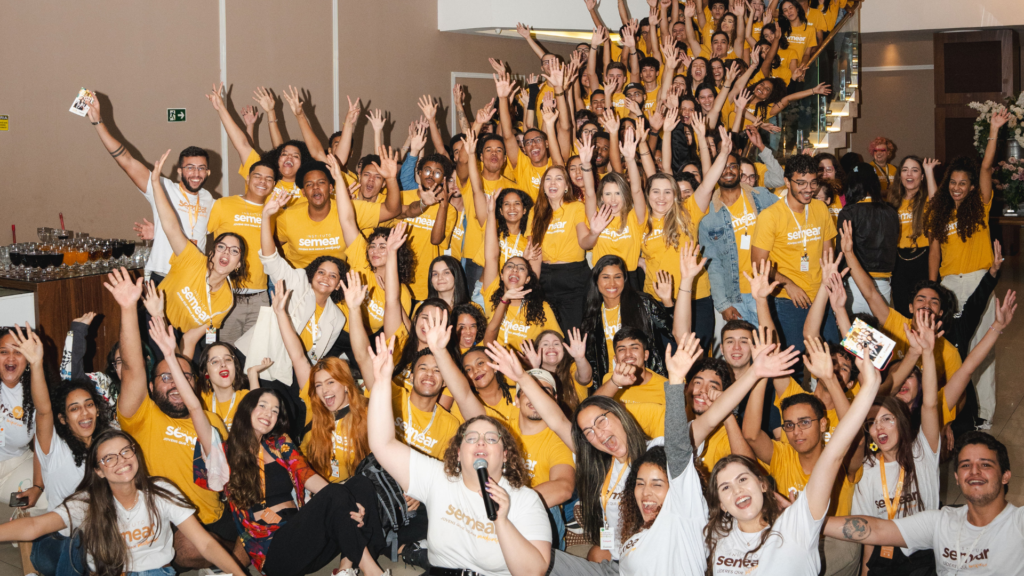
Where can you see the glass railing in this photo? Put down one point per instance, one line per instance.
(808, 122)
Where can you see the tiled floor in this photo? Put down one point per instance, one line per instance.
(1007, 426)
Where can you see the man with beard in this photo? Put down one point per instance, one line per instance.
(602, 153)
(189, 198)
(533, 159)
(980, 539)
(725, 234)
(159, 421)
(793, 234)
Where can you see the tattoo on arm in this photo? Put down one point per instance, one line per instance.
(856, 529)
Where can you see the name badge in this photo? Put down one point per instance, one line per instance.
(3, 434)
(805, 265)
(886, 552)
(211, 335)
(745, 242)
(607, 538)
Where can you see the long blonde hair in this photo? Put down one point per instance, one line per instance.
(677, 221)
(624, 189)
(321, 445)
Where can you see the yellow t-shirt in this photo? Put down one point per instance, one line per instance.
(789, 476)
(947, 358)
(312, 326)
(624, 243)
(342, 463)
(907, 227)
(715, 448)
(512, 246)
(959, 257)
(817, 19)
(303, 239)
(170, 444)
(279, 186)
(541, 451)
(792, 238)
(560, 242)
(619, 104)
(515, 328)
(528, 176)
(224, 410)
(786, 55)
(612, 323)
(803, 38)
(835, 208)
(368, 213)
(373, 304)
(504, 410)
(238, 215)
(651, 417)
(651, 392)
(190, 304)
(474, 231)
(744, 219)
(660, 256)
(886, 175)
(418, 241)
(429, 432)
(792, 389)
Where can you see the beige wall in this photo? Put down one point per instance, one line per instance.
(143, 58)
(898, 104)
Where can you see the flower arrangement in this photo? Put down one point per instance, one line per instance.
(1013, 127)
(1009, 176)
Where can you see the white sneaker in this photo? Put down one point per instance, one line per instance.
(984, 425)
(345, 572)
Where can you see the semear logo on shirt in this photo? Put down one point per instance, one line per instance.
(556, 227)
(195, 310)
(249, 220)
(747, 220)
(616, 236)
(808, 233)
(321, 241)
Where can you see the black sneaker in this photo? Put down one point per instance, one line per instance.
(415, 555)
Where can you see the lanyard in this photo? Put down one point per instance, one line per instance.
(193, 210)
(963, 566)
(408, 419)
(883, 172)
(607, 324)
(234, 396)
(314, 327)
(209, 300)
(508, 252)
(798, 227)
(606, 494)
(519, 310)
(891, 506)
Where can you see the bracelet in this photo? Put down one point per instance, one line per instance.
(37, 486)
(273, 121)
(423, 207)
(684, 290)
(506, 302)
(645, 153)
(586, 169)
(994, 138)
(97, 122)
(993, 328)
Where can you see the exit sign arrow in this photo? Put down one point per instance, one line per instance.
(175, 114)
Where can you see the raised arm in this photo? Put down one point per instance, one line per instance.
(700, 126)
(503, 84)
(819, 307)
(267, 101)
(823, 477)
(133, 369)
(168, 217)
(821, 89)
(997, 121)
(507, 363)
(526, 32)
(702, 195)
(596, 41)
(291, 340)
(346, 210)
(492, 247)
(392, 454)
(27, 342)
(929, 175)
(678, 447)
(635, 184)
(761, 287)
(439, 332)
(878, 305)
(429, 109)
(550, 115)
(355, 293)
(271, 208)
(754, 436)
(923, 336)
(235, 133)
(690, 266)
(394, 314)
(294, 99)
(818, 361)
(135, 170)
(163, 336)
(691, 35)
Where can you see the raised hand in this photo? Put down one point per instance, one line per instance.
(829, 265)
(28, 343)
(548, 111)
(504, 361)
(418, 141)
(277, 201)
(690, 263)
(726, 146)
(600, 37)
(822, 89)
(354, 109)
(485, 114)
(497, 65)
(663, 286)
(760, 285)
(602, 218)
(503, 84)
(732, 73)
(279, 301)
(742, 99)
(699, 124)
(354, 290)
(86, 318)
(999, 118)
(557, 75)
(818, 360)
(261, 367)
(459, 95)
(997, 258)
(768, 365)
(629, 144)
(145, 231)
(687, 353)
(396, 237)
(836, 291)
(427, 106)
(264, 98)
(215, 96)
(671, 120)
(153, 299)
(760, 340)
(846, 237)
(634, 108)
(163, 336)
(293, 97)
(524, 30)
(926, 329)
(376, 118)
(531, 353)
(439, 332)
(382, 358)
(610, 120)
(577, 347)
(125, 292)
(586, 148)
(533, 251)
(929, 165)
(388, 166)
(249, 115)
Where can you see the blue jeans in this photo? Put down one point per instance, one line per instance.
(165, 571)
(555, 512)
(748, 308)
(56, 555)
(473, 274)
(790, 322)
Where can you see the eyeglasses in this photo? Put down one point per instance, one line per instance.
(111, 460)
(803, 423)
(888, 420)
(166, 377)
(191, 168)
(512, 266)
(600, 423)
(533, 141)
(233, 250)
(803, 184)
(435, 173)
(880, 150)
(491, 438)
(749, 177)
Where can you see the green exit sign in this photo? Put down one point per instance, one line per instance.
(175, 114)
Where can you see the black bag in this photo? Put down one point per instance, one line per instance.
(394, 513)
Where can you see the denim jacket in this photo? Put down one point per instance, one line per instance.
(717, 238)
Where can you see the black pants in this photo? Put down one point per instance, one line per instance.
(911, 268)
(920, 563)
(565, 288)
(322, 530)
(703, 322)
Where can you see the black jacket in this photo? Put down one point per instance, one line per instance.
(660, 320)
(876, 234)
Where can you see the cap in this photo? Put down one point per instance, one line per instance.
(543, 375)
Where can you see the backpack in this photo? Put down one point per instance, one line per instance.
(394, 513)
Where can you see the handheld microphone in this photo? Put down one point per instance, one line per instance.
(480, 465)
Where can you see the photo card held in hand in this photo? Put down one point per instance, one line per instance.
(864, 340)
(81, 104)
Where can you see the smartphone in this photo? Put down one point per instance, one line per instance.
(18, 502)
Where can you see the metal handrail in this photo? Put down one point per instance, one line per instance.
(831, 35)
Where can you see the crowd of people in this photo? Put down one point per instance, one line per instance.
(602, 313)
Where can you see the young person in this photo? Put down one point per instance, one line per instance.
(909, 194)
(470, 324)
(520, 537)
(989, 525)
(18, 413)
(116, 501)
(448, 281)
(746, 527)
(220, 382)
(566, 361)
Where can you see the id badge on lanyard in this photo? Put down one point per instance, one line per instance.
(745, 241)
(805, 263)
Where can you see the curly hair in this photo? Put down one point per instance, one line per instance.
(239, 274)
(720, 522)
(321, 446)
(942, 209)
(28, 406)
(502, 225)
(203, 385)
(274, 156)
(514, 471)
(79, 449)
(535, 315)
(882, 141)
(343, 268)
(406, 257)
(478, 316)
(840, 173)
(242, 448)
(630, 518)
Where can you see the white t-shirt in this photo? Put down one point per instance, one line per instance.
(791, 549)
(997, 548)
(868, 499)
(60, 474)
(14, 434)
(619, 472)
(150, 546)
(193, 214)
(674, 544)
(459, 534)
